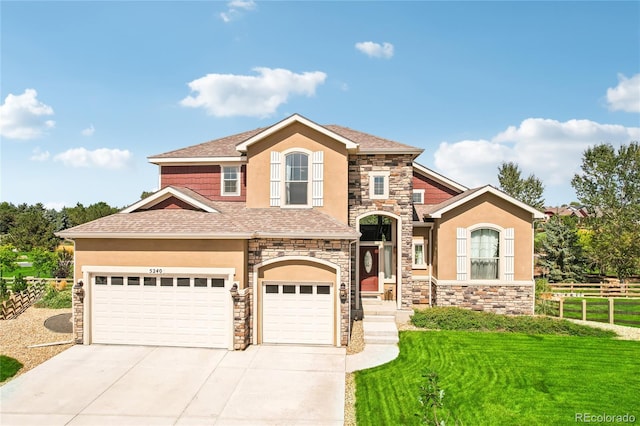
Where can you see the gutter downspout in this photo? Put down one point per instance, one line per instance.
(430, 263)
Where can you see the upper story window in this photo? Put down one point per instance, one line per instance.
(418, 196)
(297, 179)
(230, 180)
(485, 254)
(379, 185)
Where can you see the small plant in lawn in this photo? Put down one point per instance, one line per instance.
(8, 367)
(431, 399)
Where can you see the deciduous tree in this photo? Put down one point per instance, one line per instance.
(609, 185)
(528, 190)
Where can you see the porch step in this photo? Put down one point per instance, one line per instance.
(380, 318)
(378, 328)
(379, 307)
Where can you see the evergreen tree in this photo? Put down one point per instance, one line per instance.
(562, 252)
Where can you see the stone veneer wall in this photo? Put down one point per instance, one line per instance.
(506, 299)
(400, 168)
(334, 251)
(77, 300)
(242, 319)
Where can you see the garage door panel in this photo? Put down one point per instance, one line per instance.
(297, 316)
(161, 315)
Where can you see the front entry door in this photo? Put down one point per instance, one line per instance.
(369, 268)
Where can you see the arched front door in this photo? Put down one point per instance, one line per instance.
(369, 268)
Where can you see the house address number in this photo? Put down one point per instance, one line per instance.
(155, 270)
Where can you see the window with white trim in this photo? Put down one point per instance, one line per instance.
(418, 196)
(379, 185)
(485, 254)
(296, 179)
(230, 180)
(419, 261)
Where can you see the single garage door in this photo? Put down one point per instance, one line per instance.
(164, 311)
(297, 313)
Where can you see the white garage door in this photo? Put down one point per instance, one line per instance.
(297, 313)
(164, 311)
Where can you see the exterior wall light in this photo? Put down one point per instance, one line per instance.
(79, 290)
(343, 292)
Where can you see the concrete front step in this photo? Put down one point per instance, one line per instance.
(377, 328)
(381, 340)
(378, 310)
(380, 318)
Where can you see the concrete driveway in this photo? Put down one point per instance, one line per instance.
(136, 385)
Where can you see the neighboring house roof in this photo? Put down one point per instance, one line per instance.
(436, 211)
(221, 220)
(232, 148)
(438, 177)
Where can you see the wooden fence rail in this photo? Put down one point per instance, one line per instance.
(17, 303)
(595, 289)
(612, 310)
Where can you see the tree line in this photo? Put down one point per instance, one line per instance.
(27, 227)
(608, 239)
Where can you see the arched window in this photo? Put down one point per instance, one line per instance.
(485, 254)
(297, 179)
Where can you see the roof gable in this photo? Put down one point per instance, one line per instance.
(295, 118)
(471, 194)
(185, 195)
(438, 177)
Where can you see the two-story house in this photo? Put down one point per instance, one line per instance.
(275, 235)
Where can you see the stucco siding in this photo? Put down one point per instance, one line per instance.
(485, 209)
(163, 253)
(299, 136)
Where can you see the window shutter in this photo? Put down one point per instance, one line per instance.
(461, 252)
(509, 254)
(274, 193)
(317, 178)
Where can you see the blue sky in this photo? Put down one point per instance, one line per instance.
(90, 89)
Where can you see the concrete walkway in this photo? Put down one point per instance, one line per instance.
(380, 336)
(141, 385)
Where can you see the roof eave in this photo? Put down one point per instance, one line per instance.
(295, 118)
(178, 161)
(438, 177)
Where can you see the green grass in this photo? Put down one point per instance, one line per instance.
(597, 310)
(55, 299)
(464, 319)
(8, 367)
(503, 378)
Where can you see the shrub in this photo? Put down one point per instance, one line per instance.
(55, 299)
(462, 319)
(19, 284)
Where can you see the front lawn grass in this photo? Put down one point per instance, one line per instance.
(8, 367)
(497, 378)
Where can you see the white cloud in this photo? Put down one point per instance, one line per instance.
(626, 95)
(55, 205)
(89, 131)
(24, 116)
(234, 9)
(39, 155)
(376, 50)
(103, 158)
(227, 95)
(550, 149)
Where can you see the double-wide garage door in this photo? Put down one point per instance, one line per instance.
(298, 313)
(192, 311)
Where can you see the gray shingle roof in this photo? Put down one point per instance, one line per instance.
(226, 146)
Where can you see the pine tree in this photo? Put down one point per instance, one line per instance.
(562, 252)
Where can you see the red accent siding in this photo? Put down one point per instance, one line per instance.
(434, 192)
(172, 203)
(205, 180)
